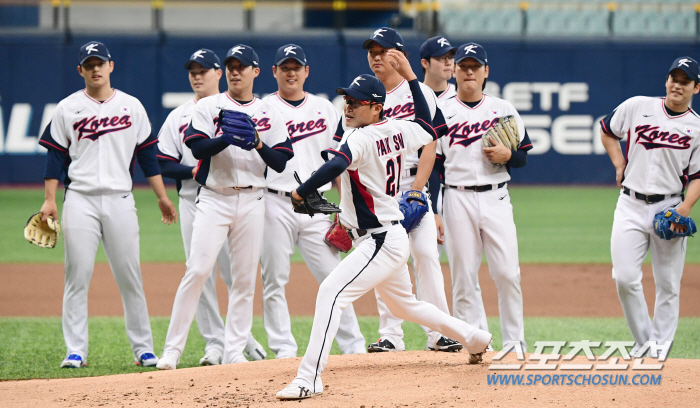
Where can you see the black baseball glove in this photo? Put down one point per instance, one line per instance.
(314, 204)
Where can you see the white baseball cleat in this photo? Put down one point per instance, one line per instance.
(476, 358)
(168, 361)
(211, 357)
(295, 391)
(253, 350)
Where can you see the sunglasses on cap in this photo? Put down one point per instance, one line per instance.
(354, 103)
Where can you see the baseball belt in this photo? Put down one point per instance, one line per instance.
(282, 193)
(478, 189)
(649, 199)
(410, 172)
(360, 232)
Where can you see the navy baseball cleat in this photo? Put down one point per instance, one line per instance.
(147, 360)
(73, 361)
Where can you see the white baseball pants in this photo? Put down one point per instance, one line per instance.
(477, 223)
(86, 220)
(633, 237)
(283, 229)
(379, 261)
(209, 321)
(229, 216)
(430, 286)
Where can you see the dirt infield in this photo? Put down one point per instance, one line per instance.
(548, 290)
(407, 379)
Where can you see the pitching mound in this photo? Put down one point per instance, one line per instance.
(413, 379)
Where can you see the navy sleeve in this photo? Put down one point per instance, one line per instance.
(203, 148)
(277, 156)
(439, 123)
(421, 108)
(324, 175)
(518, 157)
(172, 168)
(146, 156)
(339, 131)
(192, 133)
(605, 125)
(55, 164)
(48, 141)
(435, 180)
(525, 143)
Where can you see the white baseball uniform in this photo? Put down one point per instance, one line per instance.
(230, 204)
(100, 140)
(380, 255)
(311, 126)
(663, 154)
(448, 93)
(425, 257)
(480, 221)
(171, 146)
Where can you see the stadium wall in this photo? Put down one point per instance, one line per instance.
(561, 89)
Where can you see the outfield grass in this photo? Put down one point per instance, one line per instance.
(34, 348)
(555, 225)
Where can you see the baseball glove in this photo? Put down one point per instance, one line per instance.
(313, 204)
(238, 129)
(42, 233)
(413, 204)
(338, 236)
(504, 132)
(663, 220)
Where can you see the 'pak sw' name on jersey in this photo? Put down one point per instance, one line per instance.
(311, 127)
(101, 139)
(663, 152)
(233, 166)
(369, 184)
(171, 144)
(462, 148)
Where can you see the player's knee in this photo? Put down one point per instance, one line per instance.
(626, 282)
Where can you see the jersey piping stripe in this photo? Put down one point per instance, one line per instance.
(364, 203)
(524, 146)
(166, 157)
(434, 135)
(672, 117)
(469, 107)
(379, 240)
(337, 152)
(397, 87)
(306, 98)
(238, 103)
(114, 93)
(605, 128)
(147, 144)
(379, 123)
(45, 143)
(195, 135)
(283, 148)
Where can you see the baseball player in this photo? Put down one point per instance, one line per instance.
(176, 161)
(94, 136)
(476, 204)
(430, 286)
(438, 62)
(230, 204)
(663, 155)
(310, 121)
(372, 216)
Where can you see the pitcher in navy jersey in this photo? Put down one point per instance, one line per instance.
(95, 136)
(662, 159)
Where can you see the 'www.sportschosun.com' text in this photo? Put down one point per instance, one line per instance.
(573, 379)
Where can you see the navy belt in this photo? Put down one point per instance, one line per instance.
(649, 199)
(361, 232)
(282, 193)
(478, 189)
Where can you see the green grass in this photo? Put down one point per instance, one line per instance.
(34, 348)
(555, 225)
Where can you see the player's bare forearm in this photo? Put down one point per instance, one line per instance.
(49, 207)
(337, 185)
(167, 208)
(612, 146)
(425, 166)
(691, 197)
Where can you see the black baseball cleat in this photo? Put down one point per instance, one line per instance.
(383, 345)
(446, 344)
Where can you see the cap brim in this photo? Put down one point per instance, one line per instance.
(204, 64)
(687, 72)
(479, 60)
(103, 58)
(438, 54)
(280, 62)
(242, 61)
(353, 93)
(384, 44)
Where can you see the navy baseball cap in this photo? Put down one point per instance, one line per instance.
(243, 53)
(204, 57)
(436, 47)
(93, 49)
(471, 50)
(386, 37)
(689, 66)
(292, 51)
(365, 88)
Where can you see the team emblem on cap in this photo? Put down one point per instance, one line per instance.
(237, 49)
(470, 48)
(198, 54)
(91, 48)
(443, 42)
(684, 63)
(290, 50)
(356, 81)
(378, 33)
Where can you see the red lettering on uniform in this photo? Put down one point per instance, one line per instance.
(302, 130)
(262, 124)
(400, 111)
(92, 128)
